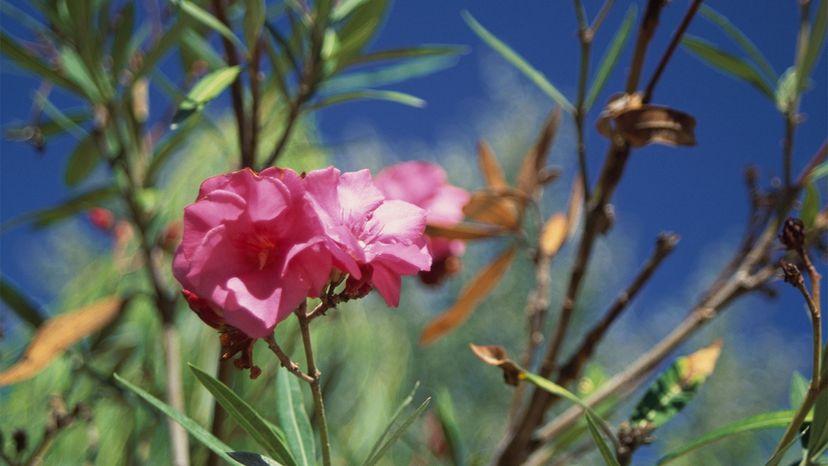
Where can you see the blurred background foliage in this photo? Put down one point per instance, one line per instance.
(370, 355)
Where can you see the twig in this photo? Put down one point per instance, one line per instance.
(236, 90)
(321, 419)
(255, 101)
(585, 36)
(674, 42)
(285, 360)
(602, 14)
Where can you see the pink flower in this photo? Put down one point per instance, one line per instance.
(251, 251)
(426, 185)
(384, 238)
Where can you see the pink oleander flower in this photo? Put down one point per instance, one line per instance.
(252, 251)
(383, 237)
(426, 185)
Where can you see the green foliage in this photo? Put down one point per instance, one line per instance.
(293, 418)
(19, 304)
(727, 63)
(606, 453)
(206, 89)
(396, 427)
(610, 58)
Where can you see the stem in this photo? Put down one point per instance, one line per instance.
(284, 359)
(255, 98)
(295, 109)
(181, 452)
(674, 42)
(316, 388)
(585, 35)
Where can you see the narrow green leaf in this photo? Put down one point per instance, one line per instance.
(206, 89)
(22, 17)
(253, 459)
(206, 18)
(726, 63)
(83, 161)
(603, 448)
(17, 302)
(818, 438)
(815, 41)
(610, 58)
(344, 7)
(395, 434)
(404, 404)
(121, 44)
(451, 428)
(359, 27)
(786, 91)
(741, 40)
(167, 42)
(821, 171)
(370, 94)
(199, 433)
(46, 217)
(810, 205)
(195, 47)
(78, 73)
(293, 418)
(254, 18)
(59, 118)
(518, 62)
(409, 69)
(272, 441)
(675, 387)
(410, 52)
(778, 419)
(799, 388)
(28, 61)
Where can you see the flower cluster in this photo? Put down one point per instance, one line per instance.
(256, 245)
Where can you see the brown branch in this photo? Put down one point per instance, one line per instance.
(316, 388)
(285, 360)
(236, 89)
(674, 42)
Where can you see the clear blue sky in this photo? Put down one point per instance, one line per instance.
(697, 192)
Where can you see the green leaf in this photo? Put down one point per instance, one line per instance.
(821, 171)
(344, 7)
(799, 388)
(28, 61)
(168, 40)
(518, 62)
(199, 433)
(740, 39)
(121, 44)
(272, 441)
(675, 387)
(359, 28)
(254, 18)
(394, 435)
(83, 161)
(610, 58)
(17, 302)
(818, 440)
(778, 419)
(166, 149)
(370, 94)
(206, 89)
(78, 72)
(815, 41)
(410, 52)
(409, 69)
(46, 217)
(207, 19)
(404, 404)
(603, 448)
(59, 118)
(253, 459)
(290, 410)
(195, 47)
(810, 205)
(786, 92)
(727, 63)
(451, 429)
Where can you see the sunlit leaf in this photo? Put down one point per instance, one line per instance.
(554, 234)
(206, 89)
(501, 209)
(57, 334)
(474, 292)
(371, 94)
(786, 92)
(199, 433)
(206, 18)
(518, 62)
(535, 159)
(741, 39)
(76, 70)
(671, 392)
(727, 63)
(778, 419)
(815, 42)
(492, 172)
(293, 418)
(610, 58)
(19, 303)
(248, 419)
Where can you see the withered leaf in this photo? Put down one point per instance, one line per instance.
(492, 172)
(494, 355)
(495, 208)
(57, 334)
(535, 159)
(464, 231)
(640, 124)
(554, 234)
(474, 292)
(701, 364)
(575, 207)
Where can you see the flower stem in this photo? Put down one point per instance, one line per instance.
(316, 388)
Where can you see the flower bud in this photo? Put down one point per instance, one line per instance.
(101, 218)
(793, 234)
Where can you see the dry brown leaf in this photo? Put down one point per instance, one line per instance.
(495, 208)
(464, 231)
(494, 355)
(474, 292)
(639, 124)
(535, 159)
(58, 334)
(553, 234)
(701, 363)
(492, 172)
(575, 207)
